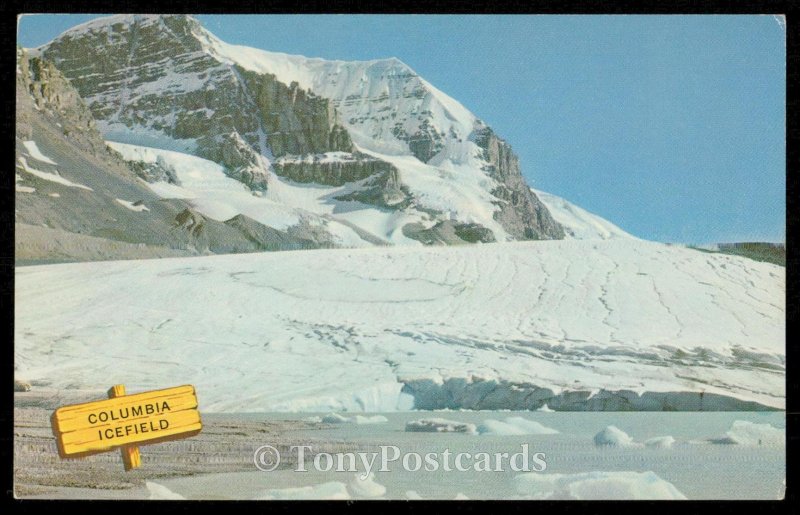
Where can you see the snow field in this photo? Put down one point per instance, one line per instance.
(347, 330)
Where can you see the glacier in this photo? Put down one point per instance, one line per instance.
(598, 321)
(619, 324)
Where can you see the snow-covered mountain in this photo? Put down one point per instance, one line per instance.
(146, 136)
(620, 324)
(371, 139)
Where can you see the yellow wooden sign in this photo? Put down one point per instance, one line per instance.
(126, 421)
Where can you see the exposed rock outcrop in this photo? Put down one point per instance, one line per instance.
(332, 171)
(448, 232)
(425, 143)
(297, 121)
(521, 213)
(21, 386)
(154, 172)
(42, 89)
(297, 237)
(243, 234)
(241, 161)
(384, 190)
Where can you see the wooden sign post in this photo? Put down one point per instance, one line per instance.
(130, 453)
(126, 422)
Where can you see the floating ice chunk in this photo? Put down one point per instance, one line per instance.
(545, 408)
(412, 495)
(133, 206)
(750, 433)
(161, 492)
(374, 419)
(460, 497)
(440, 425)
(621, 485)
(614, 436)
(514, 426)
(54, 195)
(24, 189)
(659, 442)
(35, 153)
(335, 418)
(366, 487)
(332, 490)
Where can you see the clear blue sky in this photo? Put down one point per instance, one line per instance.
(672, 127)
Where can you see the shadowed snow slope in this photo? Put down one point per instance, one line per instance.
(618, 324)
(577, 222)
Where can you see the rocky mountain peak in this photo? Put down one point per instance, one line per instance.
(375, 128)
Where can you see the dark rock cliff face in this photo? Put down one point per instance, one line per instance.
(297, 121)
(521, 212)
(331, 172)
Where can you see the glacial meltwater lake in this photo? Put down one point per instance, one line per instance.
(701, 463)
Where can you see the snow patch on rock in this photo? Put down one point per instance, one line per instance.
(133, 206)
(37, 154)
(52, 177)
